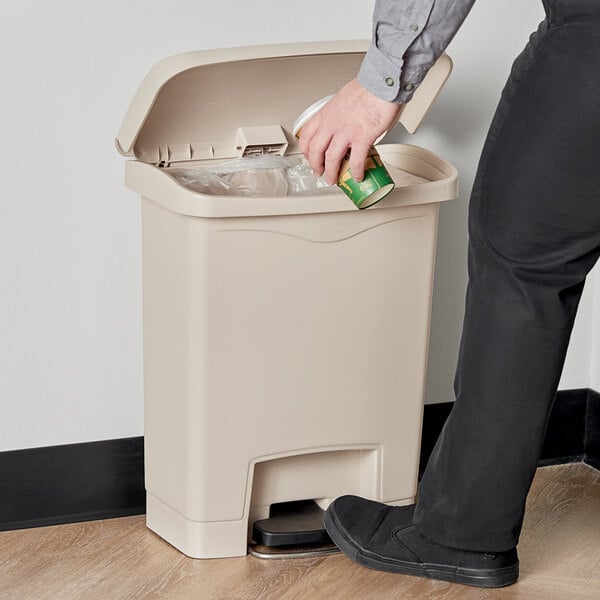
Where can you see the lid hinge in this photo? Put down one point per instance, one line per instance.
(164, 156)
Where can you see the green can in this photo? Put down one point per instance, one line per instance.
(375, 186)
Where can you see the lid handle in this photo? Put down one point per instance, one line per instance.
(259, 140)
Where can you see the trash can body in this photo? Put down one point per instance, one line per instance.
(285, 345)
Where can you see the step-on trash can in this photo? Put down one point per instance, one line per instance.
(285, 339)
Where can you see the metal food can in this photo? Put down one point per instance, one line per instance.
(377, 182)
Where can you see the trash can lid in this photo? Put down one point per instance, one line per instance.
(191, 106)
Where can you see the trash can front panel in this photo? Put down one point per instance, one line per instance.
(312, 342)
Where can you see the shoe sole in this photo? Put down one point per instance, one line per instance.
(485, 578)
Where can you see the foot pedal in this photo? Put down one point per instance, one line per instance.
(294, 529)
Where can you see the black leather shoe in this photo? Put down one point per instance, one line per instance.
(383, 537)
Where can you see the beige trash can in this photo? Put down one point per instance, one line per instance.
(285, 339)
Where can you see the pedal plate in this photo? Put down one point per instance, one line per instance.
(293, 529)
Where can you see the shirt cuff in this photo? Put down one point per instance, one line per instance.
(409, 82)
(384, 77)
(380, 75)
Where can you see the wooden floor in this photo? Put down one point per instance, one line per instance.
(121, 559)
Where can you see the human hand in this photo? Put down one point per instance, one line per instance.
(354, 118)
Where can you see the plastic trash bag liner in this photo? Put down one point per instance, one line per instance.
(255, 176)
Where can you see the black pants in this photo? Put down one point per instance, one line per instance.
(534, 234)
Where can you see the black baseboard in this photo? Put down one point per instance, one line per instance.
(70, 483)
(100, 480)
(592, 430)
(565, 435)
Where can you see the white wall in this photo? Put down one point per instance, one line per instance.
(70, 293)
(581, 365)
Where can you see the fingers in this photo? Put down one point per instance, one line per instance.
(358, 158)
(317, 146)
(325, 152)
(306, 134)
(322, 149)
(333, 158)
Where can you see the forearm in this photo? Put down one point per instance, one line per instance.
(408, 37)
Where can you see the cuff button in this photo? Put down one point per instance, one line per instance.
(389, 81)
(409, 87)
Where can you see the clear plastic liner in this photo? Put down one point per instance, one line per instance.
(255, 176)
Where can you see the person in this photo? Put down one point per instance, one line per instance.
(534, 234)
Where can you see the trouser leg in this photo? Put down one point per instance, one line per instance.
(534, 229)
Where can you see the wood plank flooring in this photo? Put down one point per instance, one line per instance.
(120, 559)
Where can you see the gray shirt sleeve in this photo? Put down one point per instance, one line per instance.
(408, 37)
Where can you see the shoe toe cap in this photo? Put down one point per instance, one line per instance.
(357, 518)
